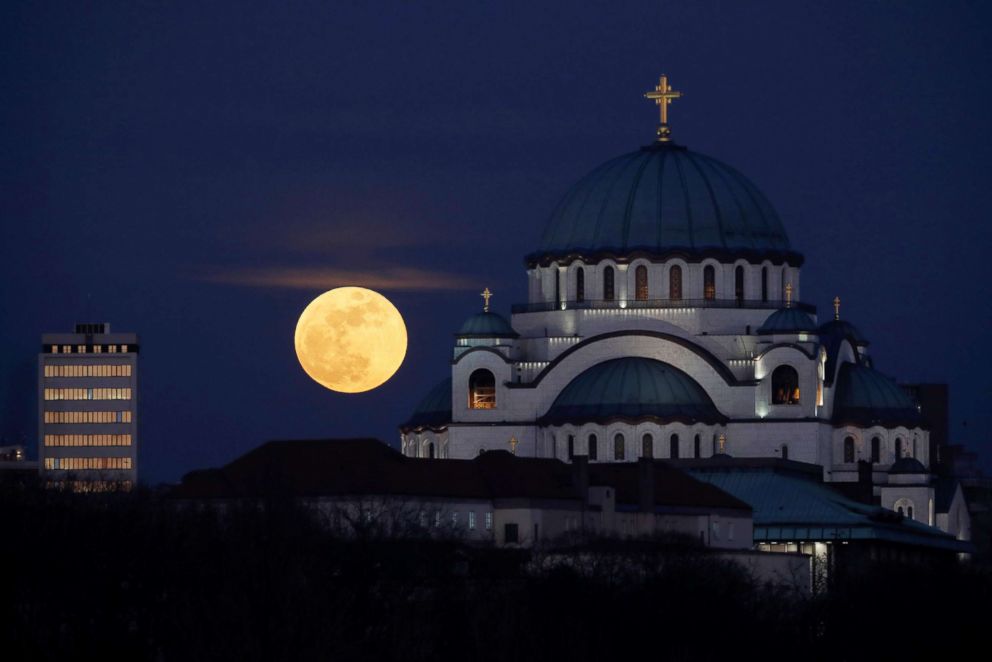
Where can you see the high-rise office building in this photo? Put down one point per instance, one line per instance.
(88, 409)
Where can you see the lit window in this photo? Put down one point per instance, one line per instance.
(489, 521)
(641, 283)
(471, 520)
(675, 282)
(709, 282)
(785, 386)
(482, 390)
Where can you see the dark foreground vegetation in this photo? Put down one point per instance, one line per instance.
(133, 577)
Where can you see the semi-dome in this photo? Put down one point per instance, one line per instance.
(867, 397)
(434, 411)
(843, 329)
(662, 199)
(486, 325)
(788, 320)
(632, 388)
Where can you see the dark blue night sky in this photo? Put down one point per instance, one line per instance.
(198, 172)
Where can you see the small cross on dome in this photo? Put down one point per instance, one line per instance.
(486, 295)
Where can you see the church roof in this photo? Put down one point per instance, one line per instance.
(632, 388)
(434, 411)
(487, 325)
(867, 397)
(907, 465)
(661, 199)
(367, 467)
(788, 320)
(794, 505)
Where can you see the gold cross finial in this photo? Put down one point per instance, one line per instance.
(662, 96)
(486, 295)
(836, 308)
(723, 442)
(513, 444)
(788, 295)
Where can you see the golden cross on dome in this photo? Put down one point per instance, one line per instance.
(513, 444)
(836, 308)
(788, 295)
(486, 295)
(723, 443)
(662, 96)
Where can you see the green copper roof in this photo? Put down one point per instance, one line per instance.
(867, 397)
(844, 329)
(662, 198)
(434, 411)
(788, 320)
(632, 388)
(488, 325)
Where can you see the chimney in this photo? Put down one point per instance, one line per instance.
(645, 484)
(580, 477)
(865, 491)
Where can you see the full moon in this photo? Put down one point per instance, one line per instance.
(350, 339)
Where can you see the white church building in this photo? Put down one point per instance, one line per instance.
(665, 319)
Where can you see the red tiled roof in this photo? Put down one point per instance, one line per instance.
(340, 467)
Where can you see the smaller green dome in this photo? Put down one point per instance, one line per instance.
(486, 325)
(633, 389)
(434, 411)
(788, 320)
(867, 397)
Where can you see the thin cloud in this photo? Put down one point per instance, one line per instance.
(407, 279)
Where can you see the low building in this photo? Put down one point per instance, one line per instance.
(496, 497)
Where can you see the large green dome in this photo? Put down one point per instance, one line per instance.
(632, 389)
(664, 199)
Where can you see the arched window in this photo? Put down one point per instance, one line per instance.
(739, 283)
(764, 283)
(482, 390)
(647, 446)
(876, 450)
(608, 292)
(641, 283)
(619, 452)
(571, 446)
(554, 446)
(673, 446)
(785, 386)
(898, 447)
(849, 449)
(557, 285)
(709, 282)
(696, 450)
(593, 447)
(675, 282)
(430, 450)
(785, 451)
(904, 506)
(580, 284)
